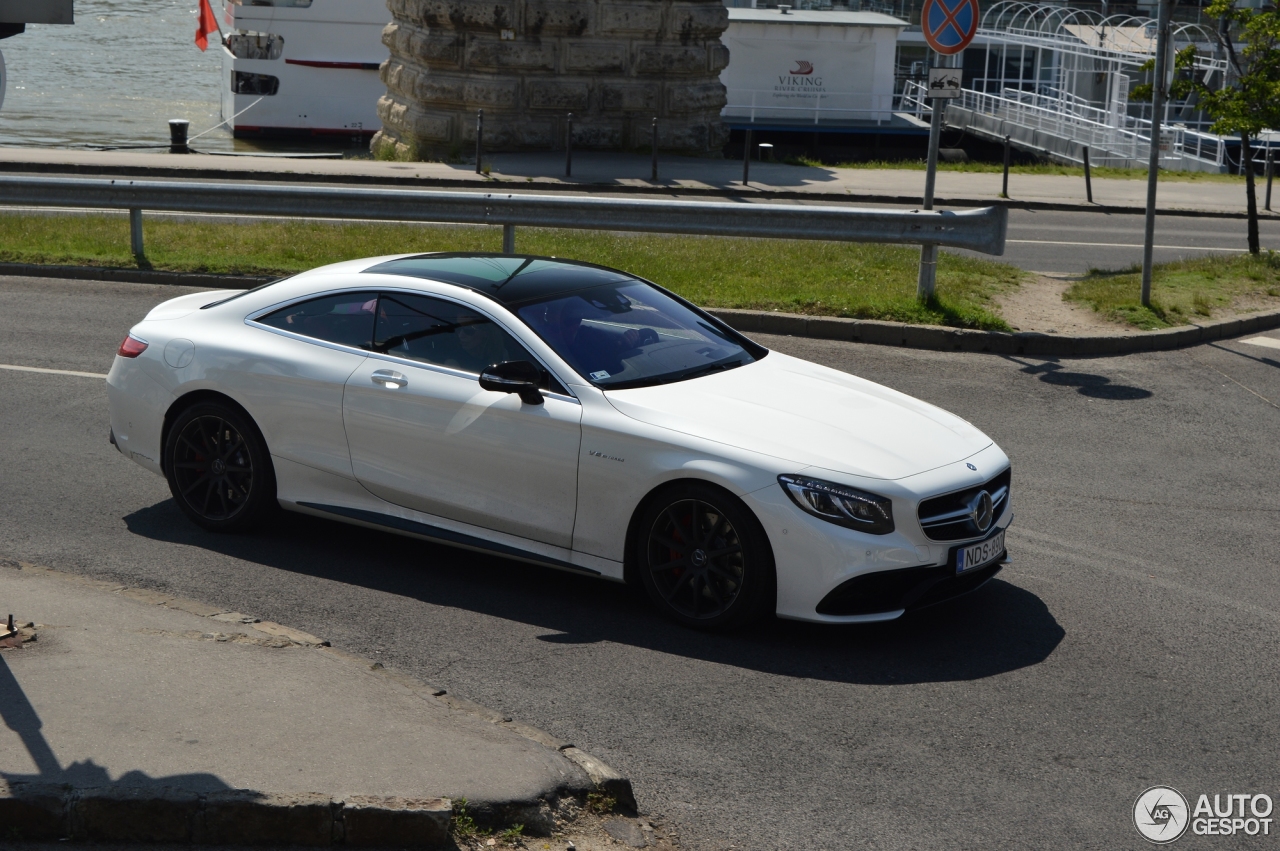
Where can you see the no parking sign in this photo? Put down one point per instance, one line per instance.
(949, 25)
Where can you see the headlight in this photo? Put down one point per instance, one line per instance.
(840, 504)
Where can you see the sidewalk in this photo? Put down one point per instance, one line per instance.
(630, 173)
(138, 716)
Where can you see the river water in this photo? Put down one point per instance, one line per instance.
(116, 77)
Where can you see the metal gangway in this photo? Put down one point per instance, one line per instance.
(1077, 94)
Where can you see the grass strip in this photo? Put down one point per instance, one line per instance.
(817, 278)
(1049, 168)
(1183, 290)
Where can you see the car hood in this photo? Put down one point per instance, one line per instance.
(809, 415)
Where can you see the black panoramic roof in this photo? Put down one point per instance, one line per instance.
(506, 278)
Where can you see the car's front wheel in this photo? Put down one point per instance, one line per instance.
(704, 559)
(218, 468)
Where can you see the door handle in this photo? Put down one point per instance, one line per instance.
(388, 378)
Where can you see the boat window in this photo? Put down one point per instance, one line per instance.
(255, 45)
(244, 83)
(297, 3)
(345, 319)
(635, 335)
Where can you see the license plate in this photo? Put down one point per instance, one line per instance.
(980, 554)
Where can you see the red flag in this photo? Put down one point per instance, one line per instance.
(206, 24)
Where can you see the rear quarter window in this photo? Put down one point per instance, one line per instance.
(346, 319)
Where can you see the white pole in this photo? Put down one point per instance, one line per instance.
(1153, 161)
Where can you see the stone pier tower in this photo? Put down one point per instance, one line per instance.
(614, 64)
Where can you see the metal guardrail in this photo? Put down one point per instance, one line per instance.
(980, 230)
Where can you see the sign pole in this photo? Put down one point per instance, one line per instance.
(938, 107)
(929, 251)
(948, 27)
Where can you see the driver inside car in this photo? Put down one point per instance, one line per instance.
(481, 345)
(594, 349)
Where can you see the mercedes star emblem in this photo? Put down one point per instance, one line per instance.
(980, 511)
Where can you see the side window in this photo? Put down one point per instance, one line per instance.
(440, 332)
(346, 319)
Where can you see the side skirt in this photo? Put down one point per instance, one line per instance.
(445, 536)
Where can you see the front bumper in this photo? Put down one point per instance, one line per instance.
(830, 574)
(899, 591)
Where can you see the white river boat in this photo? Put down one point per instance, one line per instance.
(302, 67)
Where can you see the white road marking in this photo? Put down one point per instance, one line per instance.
(17, 368)
(1124, 245)
(1269, 342)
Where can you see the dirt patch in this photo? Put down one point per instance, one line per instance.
(1038, 306)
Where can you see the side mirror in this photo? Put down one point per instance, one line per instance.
(514, 376)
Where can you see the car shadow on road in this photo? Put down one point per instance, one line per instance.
(999, 628)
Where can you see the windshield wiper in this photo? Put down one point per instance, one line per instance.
(654, 380)
(707, 370)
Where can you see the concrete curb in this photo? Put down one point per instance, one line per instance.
(513, 184)
(37, 811)
(942, 339)
(40, 811)
(134, 276)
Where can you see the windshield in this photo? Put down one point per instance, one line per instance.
(633, 335)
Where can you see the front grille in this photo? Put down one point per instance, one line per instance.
(946, 517)
(909, 588)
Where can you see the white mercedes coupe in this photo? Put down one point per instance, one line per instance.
(566, 415)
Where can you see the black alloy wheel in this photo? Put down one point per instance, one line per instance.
(704, 559)
(218, 468)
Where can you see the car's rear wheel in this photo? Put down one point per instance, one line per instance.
(704, 559)
(218, 468)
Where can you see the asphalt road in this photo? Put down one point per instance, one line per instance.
(1133, 642)
(1071, 243)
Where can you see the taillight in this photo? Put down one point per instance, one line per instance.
(131, 347)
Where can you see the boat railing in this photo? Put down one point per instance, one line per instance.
(803, 107)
